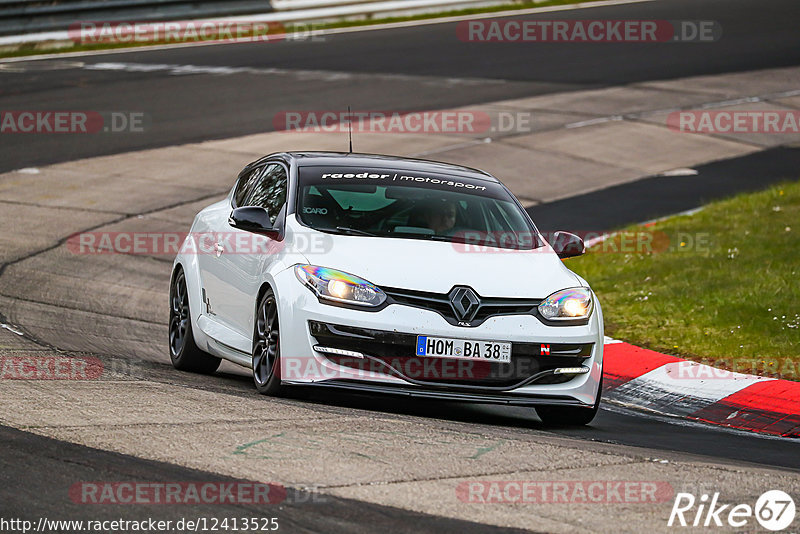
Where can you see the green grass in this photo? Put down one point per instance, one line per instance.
(31, 49)
(733, 301)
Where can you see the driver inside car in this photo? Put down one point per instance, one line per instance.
(440, 216)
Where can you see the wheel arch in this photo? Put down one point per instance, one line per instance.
(193, 285)
(177, 268)
(265, 285)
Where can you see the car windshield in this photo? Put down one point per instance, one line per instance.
(411, 205)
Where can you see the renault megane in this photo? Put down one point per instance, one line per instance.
(387, 275)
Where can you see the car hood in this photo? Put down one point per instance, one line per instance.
(436, 266)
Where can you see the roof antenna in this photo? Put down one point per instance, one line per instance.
(350, 129)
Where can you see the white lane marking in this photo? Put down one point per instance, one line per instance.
(28, 170)
(732, 102)
(683, 171)
(11, 329)
(591, 122)
(611, 341)
(333, 31)
(40, 66)
(181, 70)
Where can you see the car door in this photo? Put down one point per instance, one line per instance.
(245, 255)
(213, 234)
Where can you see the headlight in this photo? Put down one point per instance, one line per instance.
(338, 286)
(567, 304)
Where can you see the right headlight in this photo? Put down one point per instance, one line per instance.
(337, 286)
(567, 305)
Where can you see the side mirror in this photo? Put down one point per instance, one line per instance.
(252, 219)
(567, 245)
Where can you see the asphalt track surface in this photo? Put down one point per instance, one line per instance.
(50, 467)
(198, 106)
(659, 196)
(415, 68)
(57, 465)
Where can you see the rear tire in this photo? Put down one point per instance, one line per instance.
(266, 347)
(183, 351)
(569, 415)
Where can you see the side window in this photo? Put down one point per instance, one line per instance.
(245, 185)
(269, 191)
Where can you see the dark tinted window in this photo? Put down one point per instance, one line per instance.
(409, 205)
(269, 191)
(244, 185)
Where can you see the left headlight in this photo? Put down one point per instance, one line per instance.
(567, 305)
(338, 286)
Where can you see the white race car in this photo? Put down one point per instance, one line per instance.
(387, 275)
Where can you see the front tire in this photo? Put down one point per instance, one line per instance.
(568, 415)
(183, 351)
(266, 347)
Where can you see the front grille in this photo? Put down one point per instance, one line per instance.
(394, 354)
(441, 304)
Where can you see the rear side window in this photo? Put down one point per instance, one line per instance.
(269, 190)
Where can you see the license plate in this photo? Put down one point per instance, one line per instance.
(470, 349)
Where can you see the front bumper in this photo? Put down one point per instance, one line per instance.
(386, 339)
(393, 353)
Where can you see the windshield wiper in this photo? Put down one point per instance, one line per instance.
(355, 231)
(420, 235)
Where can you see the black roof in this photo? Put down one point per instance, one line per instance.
(345, 159)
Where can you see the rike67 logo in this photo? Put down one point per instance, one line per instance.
(774, 510)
